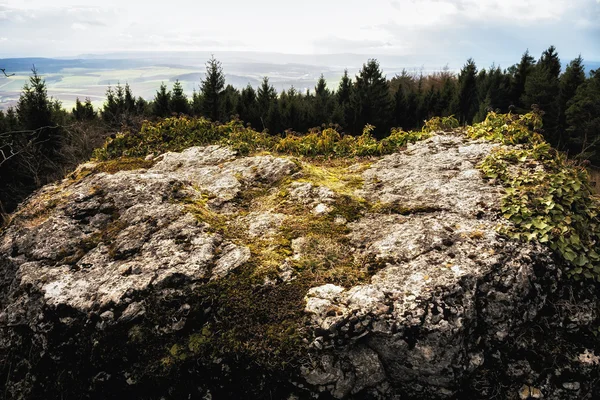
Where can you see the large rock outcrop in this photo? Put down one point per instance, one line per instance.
(203, 274)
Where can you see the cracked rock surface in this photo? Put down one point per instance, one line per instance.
(100, 273)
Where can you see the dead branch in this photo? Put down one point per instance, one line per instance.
(5, 74)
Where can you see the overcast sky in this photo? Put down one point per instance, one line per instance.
(495, 29)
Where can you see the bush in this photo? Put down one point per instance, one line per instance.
(177, 134)
(548, 198)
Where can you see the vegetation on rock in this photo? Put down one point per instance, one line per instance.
(548, 198)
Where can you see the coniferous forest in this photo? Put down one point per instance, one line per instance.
(40, 141)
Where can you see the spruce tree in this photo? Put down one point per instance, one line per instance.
(129, 106)
(34, 106)
(36, 112)
(231, 98)
(161, 103)
(520, 73)
(467, 92)
(197, 103)
(212, 88)
(570, 81)
(84, 111)
(322, 105)
(110, 110)
(265, 98)
(372, 100)
(400, 109)
(447, 96)
(583, 119)
(542, 89)
(344, 114)
(247, 107)
(179, 102)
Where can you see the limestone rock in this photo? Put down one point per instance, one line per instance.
(132, 284)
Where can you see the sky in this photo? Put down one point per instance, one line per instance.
(491, 30)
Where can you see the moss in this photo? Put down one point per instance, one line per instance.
(335, 177)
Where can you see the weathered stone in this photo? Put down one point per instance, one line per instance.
(118, 269)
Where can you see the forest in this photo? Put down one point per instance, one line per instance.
(40, 141)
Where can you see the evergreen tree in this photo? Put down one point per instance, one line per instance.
(467, 92)
(247, 107)
(343, 114)
(179, 102)
(583, 119)
(12, 119)
(265, 98)
(142, 107)
(231, 97)
(400, 109)
(520, 72)
(371, 99)
(273, 120)
(494, 91)
(570, 81)
(212, 90)
(35, 112)
(110, 110)
(447, 96)
(197, 103)
(542, 89)
(84, 111)
(162, 101)
(129, 106)
(34, 106)
(322, 105)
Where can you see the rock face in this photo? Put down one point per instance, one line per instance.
(119, 284)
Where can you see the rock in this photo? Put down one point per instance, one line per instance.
(232, 257)
(571, 385)
(211, 275)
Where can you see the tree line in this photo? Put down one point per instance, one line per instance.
(39, 140)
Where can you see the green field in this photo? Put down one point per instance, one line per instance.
(77, 82)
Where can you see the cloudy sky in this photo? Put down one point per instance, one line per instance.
(490, 30)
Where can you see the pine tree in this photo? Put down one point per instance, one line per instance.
(162, 101)
(372, 100)
(179, 103)
(467, 92)
(212, 90)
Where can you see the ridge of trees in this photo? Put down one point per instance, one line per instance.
(39, 140)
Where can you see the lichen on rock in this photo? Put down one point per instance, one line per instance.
(203, 272)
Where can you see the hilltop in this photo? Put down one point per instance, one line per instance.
(193, 259)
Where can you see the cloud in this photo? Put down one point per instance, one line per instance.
(338, 44)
